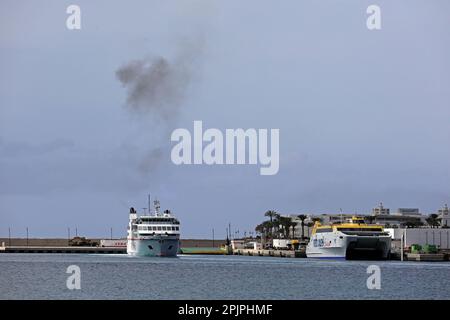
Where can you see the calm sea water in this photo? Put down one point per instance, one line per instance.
(43, 276)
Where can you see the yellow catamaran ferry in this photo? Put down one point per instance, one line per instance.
(352, 239)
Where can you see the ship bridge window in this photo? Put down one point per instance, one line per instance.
(361, 229)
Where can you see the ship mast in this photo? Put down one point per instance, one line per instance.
(157, 207)
(149, 205)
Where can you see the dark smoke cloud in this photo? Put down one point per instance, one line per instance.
(155, 85)
(156, 88)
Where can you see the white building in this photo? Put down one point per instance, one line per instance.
(254, 245)
(237, 244)
(444, 216)
(436, 236)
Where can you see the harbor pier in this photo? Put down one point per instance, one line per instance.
(65, 249)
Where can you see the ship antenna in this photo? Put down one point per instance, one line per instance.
(157, 206)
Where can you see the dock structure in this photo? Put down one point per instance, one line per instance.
(203, 250)
(67, 249)
(269, 253)
(425, 257)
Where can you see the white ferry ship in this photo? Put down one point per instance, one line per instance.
(156, 234)
(353, 239)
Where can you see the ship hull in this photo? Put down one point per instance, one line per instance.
(341, 246)
(156, 246)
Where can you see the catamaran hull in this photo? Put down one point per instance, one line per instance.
(349, 247)
(154, 247)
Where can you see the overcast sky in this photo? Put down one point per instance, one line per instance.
(363, 115)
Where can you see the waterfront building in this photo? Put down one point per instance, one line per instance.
(401, 218)
(380, 210)
(388, 220)
(335, 218)
(408, 212)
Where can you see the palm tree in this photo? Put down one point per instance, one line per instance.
(259, 228)
(284, 223)
(414, 224)
(293, 224)
(267, 227)
(302, 218)
(317, 219)
(433, 220)
(271, 214)
(370, 219)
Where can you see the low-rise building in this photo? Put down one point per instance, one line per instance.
(407, 212)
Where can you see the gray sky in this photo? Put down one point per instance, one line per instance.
(363, 115)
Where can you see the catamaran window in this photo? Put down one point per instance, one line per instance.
(159, 228)
(164, 228)
(324, 230)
